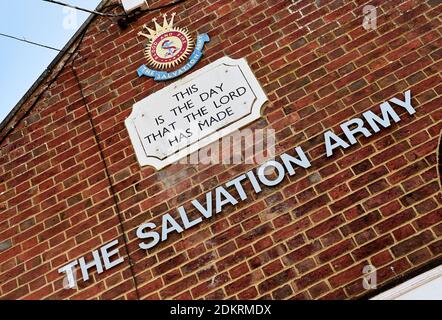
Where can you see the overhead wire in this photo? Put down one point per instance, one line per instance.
(103, 14)
(40, 95)
(30, 42)
(173, 3)
(41, 45)
(106, 169)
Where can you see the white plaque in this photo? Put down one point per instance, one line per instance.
(194, 112)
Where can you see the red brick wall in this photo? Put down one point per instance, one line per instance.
(378, 202)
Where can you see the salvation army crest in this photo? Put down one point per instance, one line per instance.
(169, 47)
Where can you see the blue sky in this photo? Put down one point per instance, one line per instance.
(21, 64)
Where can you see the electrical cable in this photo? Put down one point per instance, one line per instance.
(40, 95)
(82, 35)
(93, 12)
(111, 15)
(108, 176)
(30, 42)
(106, 169)
(83, 9)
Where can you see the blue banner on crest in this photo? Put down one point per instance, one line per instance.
(193, 60)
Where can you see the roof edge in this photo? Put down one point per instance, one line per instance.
(10, 117)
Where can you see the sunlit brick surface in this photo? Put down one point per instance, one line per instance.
(378, 202)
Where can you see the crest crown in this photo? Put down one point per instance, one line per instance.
(167, 26)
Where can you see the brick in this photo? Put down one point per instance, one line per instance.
(254, 234)
(420, 194)
(403, 232)
(368, 177)
(209, 285)
(288, 231)
(391, 269)
(361, 223)
(276, 280)
(223, 237)
(373, 247)
(342, 262)
(436, 247)
(324, 227)
(419, 256)
(383, 198)
(335, 180)
(306, 265)
(411, 244)
(376, 202)
(395, 221)
(198, 263)
(239, 284)
(179, 286)
(362, 167)
(349, 200)
(234, 258)
(347, 276)
(390, 153)
(429, 219)
(318, 290)
(282, 293)
(5, 245)
(356, 157)
(313, 277)
(311, 205)
(248, 294)
(171, 263)
(302, 253)
(336, 250)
